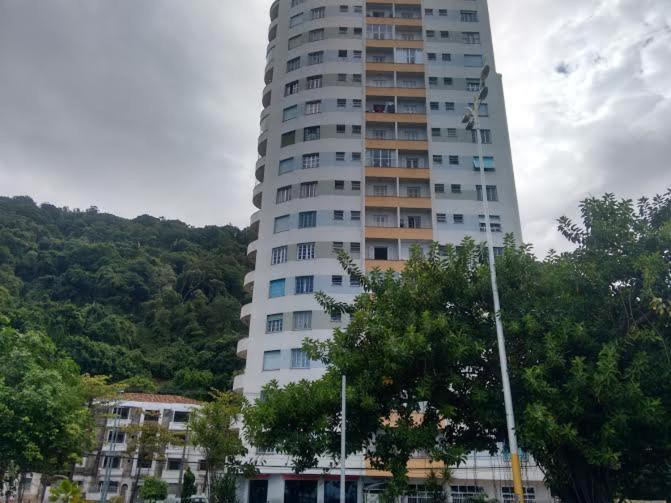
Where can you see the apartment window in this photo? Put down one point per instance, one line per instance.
(338, 215)
(340, 156)
(494, 226)
(354, 281)
(286, 165)
(433, 105)
(439, 188)
(311, 133)
(308, 189)
(343, 30)
(152, 415)
(276, 288)
(288, 138)
(290, 113)
(356, 77)
(310, 161)
(318, 13)
(485, 136)
(455, 188)
(356, 103)
(451, 132)
(336, 280)
(281, 224)
(358, 9)
(283, 194)
(473, 85)
(121, 412)
(314, 82)
(342, 77)
(435, 132)
(304, 284)
(339, 184)
(454, 160)
(313, 107)
(356, 156)
(428, 12)
(278, 255)
(433, 81)
(342, 54)
(112, 462)
(299, 359)
(464, 494)
(293, 64)
(356, 55)
(355, 215)
(274, 323)
(336, 317)
(442, 12)
(441, 218)
(118, 437)
(295, 20)
(340, 128)
(458, 218)
(488, 161)
(473, 60)
(271, 360)
(430, 33)
(356, 129)
(431, 56)
(447, 81)
(337, 246)
(444, 34)
(341, 103)
(307, 219)
(469, 16)
(314, 58)
(344, 8)
(449, 106)
(447, 57)
(355, 248)
(438, 159)
(291, 88)
(380, 158)
(174, 464)
(316, 35)
(145, 462)
(508, 494)
(295, 41)
(492, 192)
(180, 416)
(356, 185)
(305, 251)
(471, 37)
(302, 320)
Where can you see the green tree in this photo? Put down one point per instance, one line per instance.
(188, 485)
(66, 491)
(211, 429)
(45, 425)
(153, 489)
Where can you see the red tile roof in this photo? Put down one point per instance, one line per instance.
(156, 398)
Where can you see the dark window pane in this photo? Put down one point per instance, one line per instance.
(332, 491)
(300, 491)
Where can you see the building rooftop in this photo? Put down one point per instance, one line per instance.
(157, 398)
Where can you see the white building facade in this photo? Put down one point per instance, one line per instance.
(362, 149)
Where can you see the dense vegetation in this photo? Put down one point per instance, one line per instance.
(126, 298)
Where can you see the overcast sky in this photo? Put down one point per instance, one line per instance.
(152, 106)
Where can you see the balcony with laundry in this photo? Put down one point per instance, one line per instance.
(397, 193)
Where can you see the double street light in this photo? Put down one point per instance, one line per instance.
(472, 121)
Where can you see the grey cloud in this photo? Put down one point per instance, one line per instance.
(152, 106)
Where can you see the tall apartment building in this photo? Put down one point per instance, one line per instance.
(362, 149)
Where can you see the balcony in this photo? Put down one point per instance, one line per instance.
(385, 265)
(241, 350)
(251, 250)
(411, 118)
(398, 172)
(257, 195)
(255, 221)
(398, 202)
(239, 383)
(246, 313)
(421, 233)
(248, 282)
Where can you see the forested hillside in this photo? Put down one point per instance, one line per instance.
(142, 297)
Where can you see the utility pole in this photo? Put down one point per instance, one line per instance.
(343, 449)
(472, 121)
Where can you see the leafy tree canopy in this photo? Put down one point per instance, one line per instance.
(589, 343)
(125, 298)
(153, 489)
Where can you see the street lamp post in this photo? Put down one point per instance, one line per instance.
(472, 121)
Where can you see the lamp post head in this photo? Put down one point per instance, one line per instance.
(483, 93)
(484, 74)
